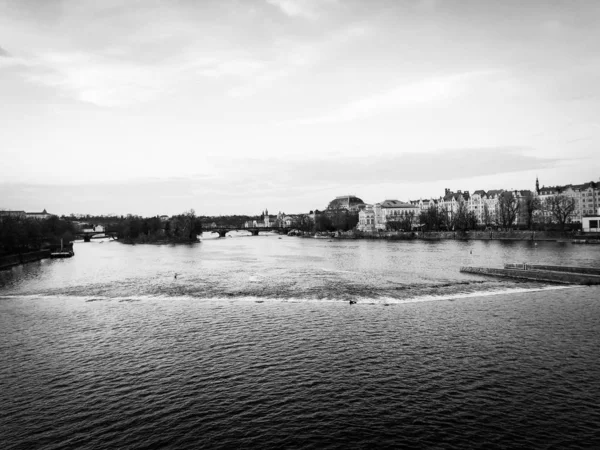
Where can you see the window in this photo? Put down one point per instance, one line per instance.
(593, 224)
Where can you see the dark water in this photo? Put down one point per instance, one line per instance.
(254, 345)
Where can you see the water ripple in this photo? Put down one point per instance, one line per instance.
(283, 361)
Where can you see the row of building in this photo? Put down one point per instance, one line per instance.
(268, 221)
(26, 215)
(483, 204)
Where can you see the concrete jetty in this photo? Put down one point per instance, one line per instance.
(539, 272)
(570, 269)
(6, 262)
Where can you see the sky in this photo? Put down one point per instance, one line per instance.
(233, 106)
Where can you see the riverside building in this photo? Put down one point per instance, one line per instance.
(484, 204)
(586, 197)
(376, 217)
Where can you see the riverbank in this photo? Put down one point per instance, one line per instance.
(145, 240)
(6, 262)
(513, 235)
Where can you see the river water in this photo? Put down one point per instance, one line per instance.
(254, 344)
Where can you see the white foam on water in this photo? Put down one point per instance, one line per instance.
(324, 269)
(459, 295)
(257, 299)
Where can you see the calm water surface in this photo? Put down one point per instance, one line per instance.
(254, 345)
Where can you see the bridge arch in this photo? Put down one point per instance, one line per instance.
(222, 231)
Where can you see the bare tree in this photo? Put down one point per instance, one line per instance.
(446, 218)
(403, 221)
(560, 207)
(460, 218)
(305, 223)
(487, 215)
(507, 209)
(531, 204)
(431, 219)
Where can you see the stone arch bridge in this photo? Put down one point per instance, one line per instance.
(87, 236)
(223, 230)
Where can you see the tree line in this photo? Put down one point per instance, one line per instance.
(554, 211)
(23, 234)
(185, 227)
(332, 220)
(20, 234)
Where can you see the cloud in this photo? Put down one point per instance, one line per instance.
(110, 81)
(426, 6)
(95, 79)
(450, 164)
(112, 78)
(135, 54)
(426, 91)
(307, 9)
(4, 53)
(286, 183)
(290, 57)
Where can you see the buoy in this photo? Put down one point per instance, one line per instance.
(175, 276)
(352, 302)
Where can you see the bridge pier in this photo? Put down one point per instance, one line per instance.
(87, 238)
(254, 232)
(222, 233)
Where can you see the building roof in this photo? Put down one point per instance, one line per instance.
(550, 189)
(524, 193)
(345, 202)
(452, 195)
(584, 186)
(395, 204)
(43, 213)
(480, 192)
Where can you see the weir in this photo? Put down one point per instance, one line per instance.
(536, 272)
(570, 269)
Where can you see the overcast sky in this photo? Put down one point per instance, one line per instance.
(232, 106)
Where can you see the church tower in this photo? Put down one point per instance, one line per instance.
(537, 185)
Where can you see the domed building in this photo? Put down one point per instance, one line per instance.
(348, 202)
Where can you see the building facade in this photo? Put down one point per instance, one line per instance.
(366, 219)
(586, 198)
(39, 215)
(376, 217)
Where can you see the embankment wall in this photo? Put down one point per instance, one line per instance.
(569, 269)
(536, 275)
(515, 235)
(6, 262)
